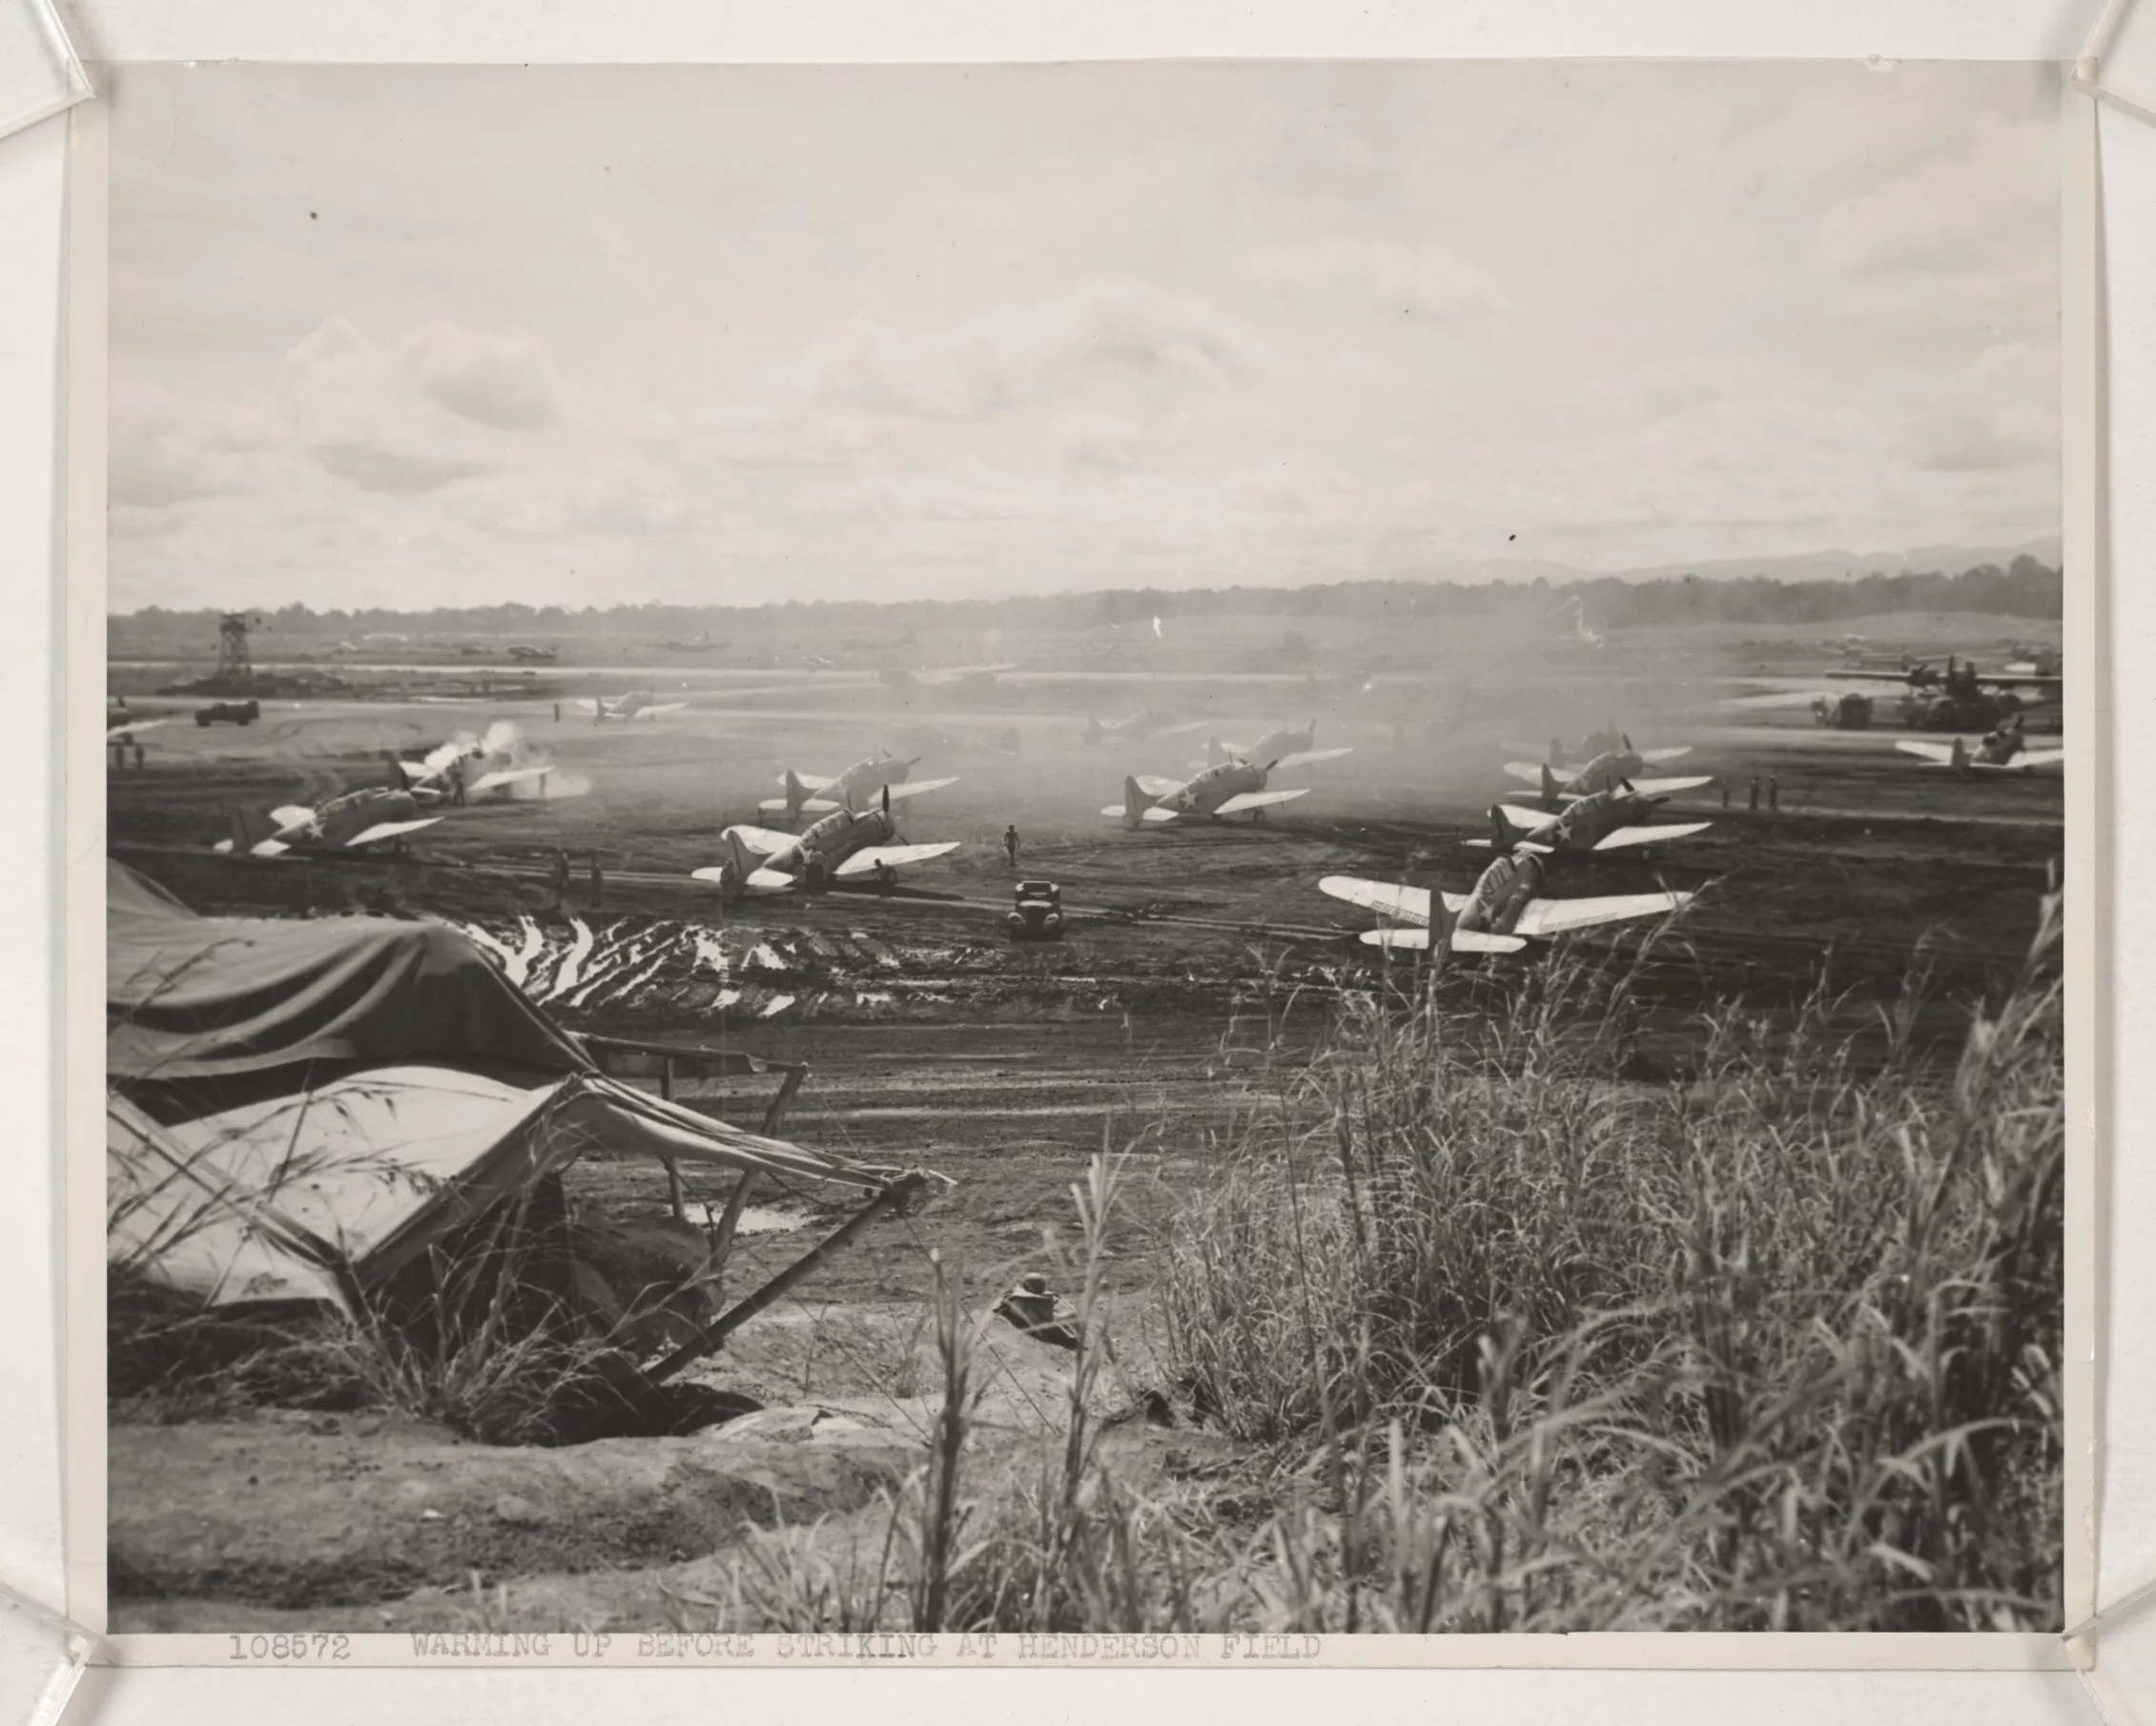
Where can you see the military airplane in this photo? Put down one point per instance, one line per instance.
(1153, 722)
(638, 704)
(1500, 914)
(1960, 679)
(534, 656)
(1600, 822)
(849, 845)
(1233, 788)
(121, 725)
(2003, 750)
(1283, 748)
(934, 739)
(1612, 770)
(437, 777)
(356, 821)
(882, 771)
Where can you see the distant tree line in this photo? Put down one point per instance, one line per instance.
(2024, 589)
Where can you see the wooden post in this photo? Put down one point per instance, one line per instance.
(709, 1339)
(676, 1195)
(788, 1085)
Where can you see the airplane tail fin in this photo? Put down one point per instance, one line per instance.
(1550, 796)
(1441, 922)
(1135, 803)
(796, 794)
(1503, 835)
(250, 827)
(738, 866)
(1215, 752)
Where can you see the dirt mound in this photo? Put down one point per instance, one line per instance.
(292, 1511)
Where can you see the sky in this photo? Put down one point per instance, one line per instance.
(402, 337)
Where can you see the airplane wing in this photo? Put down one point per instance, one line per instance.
(913, 788)
(1243, 801)
(890, 856)
(815, 806)
(1668, 788)
(1154, 785)
(584, 704)
(1649, 835)
(1410, 904)
(813, 781)
(1665, 754)
(664, 706)
(1308, 758)
(1529, 771)
(762, 880)
(292, 814)
(1939, 754)
(1418, 941)
(763, 841)
(1528, 820)
(517, 775)
(1545, 917)
(126, 727)
(2028, 759)
(385, 830)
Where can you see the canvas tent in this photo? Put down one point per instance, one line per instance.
(300, 1112)
(194, 997)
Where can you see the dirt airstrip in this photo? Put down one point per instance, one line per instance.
(1201, 968)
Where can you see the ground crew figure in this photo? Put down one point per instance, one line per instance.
(456, 782)
(138, 757)
(1774, 793)
(557, 713)
(598, 882)
(1011, 844)
(1755, 793)
(561, 877)
(119, 755)
(1725, 793)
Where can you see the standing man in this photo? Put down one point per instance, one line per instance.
(1755, 793)
(557, 713)
(598, 882)
(138, 754)
(1774, 793)
(1010, 844)
(1725, 793)
(561, 875)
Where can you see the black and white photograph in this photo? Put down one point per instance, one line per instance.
(1040, 861)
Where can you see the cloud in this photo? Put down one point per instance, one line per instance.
(1017, 353)
(1106, 441)
(499, 380)
(435, 406)
(1423, 280)
(1951, 236)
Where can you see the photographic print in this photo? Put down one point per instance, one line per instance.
(1113, 861)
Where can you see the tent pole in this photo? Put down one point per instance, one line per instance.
(709, 1339)
(675, 1194)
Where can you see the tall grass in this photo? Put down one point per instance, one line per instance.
(1511, 1346)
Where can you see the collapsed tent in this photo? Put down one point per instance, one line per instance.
(310, 1112)
(191, 996)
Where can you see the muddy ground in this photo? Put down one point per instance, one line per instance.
(1201, 967)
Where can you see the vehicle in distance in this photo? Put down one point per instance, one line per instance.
(1036, 912)
(229, 712)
